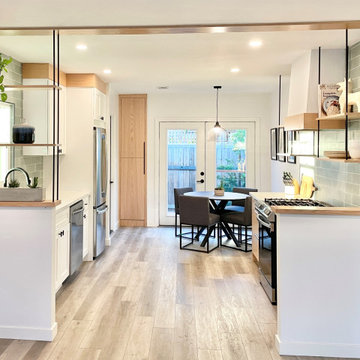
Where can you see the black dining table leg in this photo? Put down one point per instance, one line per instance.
(232, 235)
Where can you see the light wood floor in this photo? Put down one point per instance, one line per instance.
(146, 299)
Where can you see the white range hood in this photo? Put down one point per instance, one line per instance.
(303, 89)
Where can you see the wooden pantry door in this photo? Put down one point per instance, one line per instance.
(132, 155)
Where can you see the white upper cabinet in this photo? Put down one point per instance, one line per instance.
(99, 108)
(38, 112)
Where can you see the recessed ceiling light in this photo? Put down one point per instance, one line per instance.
(219, 29)
(107, 71)
(255, 43)
(235, 70)
(81, 46)
(163, 87)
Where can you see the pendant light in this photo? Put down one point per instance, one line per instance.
(218, 133)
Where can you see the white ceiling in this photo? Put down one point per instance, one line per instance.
(161, 12)
(184, 62)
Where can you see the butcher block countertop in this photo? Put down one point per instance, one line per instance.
(304, 210)
(46, 203)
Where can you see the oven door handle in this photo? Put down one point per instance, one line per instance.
(263, 222)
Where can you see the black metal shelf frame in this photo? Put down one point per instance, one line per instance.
(346, 97)
(56, 114)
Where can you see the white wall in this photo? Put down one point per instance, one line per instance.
(201, 107)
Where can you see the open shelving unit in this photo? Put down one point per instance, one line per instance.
(55, 88)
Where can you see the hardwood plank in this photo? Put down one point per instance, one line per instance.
(209, 355)
(162, 347)
(71, 340)
(185, 342)
(140, 338)
(16, 349)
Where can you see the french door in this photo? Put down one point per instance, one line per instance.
(189, 159)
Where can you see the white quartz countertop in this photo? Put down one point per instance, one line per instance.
(69, 198)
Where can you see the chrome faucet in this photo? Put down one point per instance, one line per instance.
(28, 180)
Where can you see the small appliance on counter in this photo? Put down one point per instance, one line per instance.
(23, 134)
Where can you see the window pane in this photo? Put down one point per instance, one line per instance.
(181, 162)
(231, 160)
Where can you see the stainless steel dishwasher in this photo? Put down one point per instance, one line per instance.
(76, 236)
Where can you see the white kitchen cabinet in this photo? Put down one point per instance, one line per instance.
(86, 232)
(99, 101)
(38, 112)
(62, 250)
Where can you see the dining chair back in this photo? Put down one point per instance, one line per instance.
(195, 211)
(241, 219)
(177, 193)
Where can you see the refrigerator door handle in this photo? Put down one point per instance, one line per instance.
(102, 211)
(104, 164)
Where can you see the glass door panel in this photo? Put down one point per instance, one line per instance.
(181, 163)
(232, 163)
(231, 160)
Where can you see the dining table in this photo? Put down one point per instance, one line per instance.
(218, 204)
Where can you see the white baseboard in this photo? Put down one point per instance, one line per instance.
(116, 226)
(27, 333)
(317, 349)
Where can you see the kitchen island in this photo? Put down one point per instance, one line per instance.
(27, 268)
(318, 277)
(34, 256)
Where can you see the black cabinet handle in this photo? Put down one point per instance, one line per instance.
(101, 118)
(84, 216)
(61, 233)
(200, 181)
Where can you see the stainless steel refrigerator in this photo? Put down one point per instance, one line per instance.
(100, 190)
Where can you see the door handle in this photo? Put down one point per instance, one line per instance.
(200, 181)
(78, 211)
(102, 211)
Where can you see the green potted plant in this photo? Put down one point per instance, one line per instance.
(219, 190)
(3, 66)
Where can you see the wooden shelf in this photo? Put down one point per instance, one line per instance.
(351, 116)
(341, 160)
(31, 87)
(19, 145)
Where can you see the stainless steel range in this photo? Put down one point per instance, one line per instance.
(267, 238)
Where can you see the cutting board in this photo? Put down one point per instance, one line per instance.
(307, 187)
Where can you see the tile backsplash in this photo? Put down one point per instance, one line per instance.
(338, 182)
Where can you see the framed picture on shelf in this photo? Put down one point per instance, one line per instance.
(281, 144)
(273, 144)
(289, 138)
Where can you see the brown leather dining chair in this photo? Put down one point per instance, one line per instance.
(195, 211)
(241, 219)
(177, 193)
